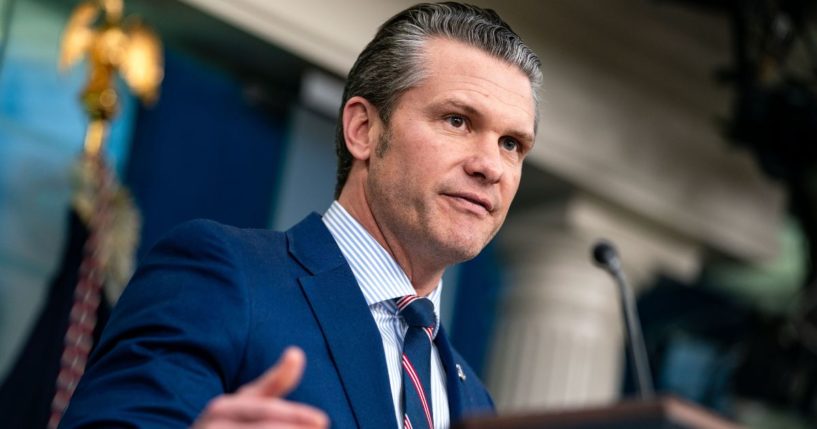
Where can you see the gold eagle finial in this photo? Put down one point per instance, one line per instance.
(113, 45)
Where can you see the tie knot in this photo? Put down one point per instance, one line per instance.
(416, 311)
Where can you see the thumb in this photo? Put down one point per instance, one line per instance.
(281, 378)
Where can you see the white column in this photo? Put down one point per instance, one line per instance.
(559, 336)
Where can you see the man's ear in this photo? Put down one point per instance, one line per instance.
(361, 124)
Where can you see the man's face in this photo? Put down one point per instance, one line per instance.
(454, 151)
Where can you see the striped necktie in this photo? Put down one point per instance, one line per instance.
(418, 313)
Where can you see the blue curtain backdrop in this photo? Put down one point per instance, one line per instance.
(204, 151)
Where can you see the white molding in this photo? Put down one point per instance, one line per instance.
(329, 34)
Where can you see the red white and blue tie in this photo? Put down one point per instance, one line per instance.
(418, 313)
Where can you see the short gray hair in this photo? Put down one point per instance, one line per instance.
(391, 63)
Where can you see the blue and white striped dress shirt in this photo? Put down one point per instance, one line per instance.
(381, 280)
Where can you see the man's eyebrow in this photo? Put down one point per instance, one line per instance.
(465, 107)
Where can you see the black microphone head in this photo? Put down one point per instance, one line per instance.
(604, 254)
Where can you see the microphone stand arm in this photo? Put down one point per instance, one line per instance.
(636, 349)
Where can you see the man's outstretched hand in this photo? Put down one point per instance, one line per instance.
(260, 403)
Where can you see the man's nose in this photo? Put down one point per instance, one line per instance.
(485, 163)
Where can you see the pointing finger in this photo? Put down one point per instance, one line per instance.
(281, 378)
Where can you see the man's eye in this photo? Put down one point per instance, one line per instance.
(509, 144)
(456, 121)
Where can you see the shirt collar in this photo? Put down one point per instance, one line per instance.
(379, 276)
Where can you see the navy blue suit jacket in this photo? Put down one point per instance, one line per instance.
(212, 307)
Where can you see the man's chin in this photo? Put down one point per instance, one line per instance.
(464, 249)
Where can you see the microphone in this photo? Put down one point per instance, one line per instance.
(606, 257)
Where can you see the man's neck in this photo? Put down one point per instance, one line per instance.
(424, 277)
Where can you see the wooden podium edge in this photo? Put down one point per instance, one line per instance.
(695, 415)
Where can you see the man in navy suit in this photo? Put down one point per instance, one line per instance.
(438, 114)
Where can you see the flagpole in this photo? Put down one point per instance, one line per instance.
(96, 31)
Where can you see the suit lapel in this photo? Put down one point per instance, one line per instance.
(458, 401)
(351, 335)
